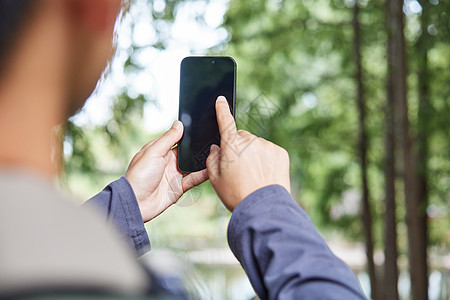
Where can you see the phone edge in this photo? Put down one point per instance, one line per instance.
(233, 101)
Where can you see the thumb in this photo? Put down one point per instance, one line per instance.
(165, 142)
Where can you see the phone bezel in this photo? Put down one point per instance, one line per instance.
(232, 102)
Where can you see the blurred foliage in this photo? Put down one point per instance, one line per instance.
(97, 154)
(299, 55)
(296, 87)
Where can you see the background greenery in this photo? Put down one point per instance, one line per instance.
(297, 88)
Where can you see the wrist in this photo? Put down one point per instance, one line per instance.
(260, 193)
(133, 188)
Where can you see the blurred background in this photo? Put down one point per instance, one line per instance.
(358, 92)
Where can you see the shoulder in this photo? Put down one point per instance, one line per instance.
(46, 240)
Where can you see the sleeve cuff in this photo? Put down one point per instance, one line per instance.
(256, 204)
(132, 224)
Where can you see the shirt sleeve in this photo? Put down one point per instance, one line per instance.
(283, 254)
(118, 204)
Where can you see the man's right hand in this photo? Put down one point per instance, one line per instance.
(244, 162)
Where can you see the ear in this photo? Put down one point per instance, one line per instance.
(96, 15)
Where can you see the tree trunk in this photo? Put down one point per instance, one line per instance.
(390, 219)
(414, 211)
(366, 214)
(390, 228)
(422, 47)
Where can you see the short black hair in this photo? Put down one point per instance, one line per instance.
(13, 14)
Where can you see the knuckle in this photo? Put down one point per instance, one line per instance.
(222, 116)
(210, 160)
(213, 178)
(242, 132)
(191, 181)
(265, 144)
(172, 131)
(284, 154)
(167, 133)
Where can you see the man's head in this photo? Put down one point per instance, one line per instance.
(13, 14)
(52, 53)
(77, 34)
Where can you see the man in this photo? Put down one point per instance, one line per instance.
(52, 53)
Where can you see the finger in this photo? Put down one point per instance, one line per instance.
(175, 151)
(152, 142)
(165, 142)
(213, 162)
(194, 179)
(225, 120)
(149, 143)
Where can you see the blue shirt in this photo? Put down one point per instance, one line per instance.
(272, 237)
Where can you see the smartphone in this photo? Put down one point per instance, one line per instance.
(202, 80)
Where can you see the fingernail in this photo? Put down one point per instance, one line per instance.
(221, 98)
(176, 124)
(213, 148)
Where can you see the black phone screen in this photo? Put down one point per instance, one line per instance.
(202, 80)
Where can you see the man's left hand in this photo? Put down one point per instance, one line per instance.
(154, 176)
